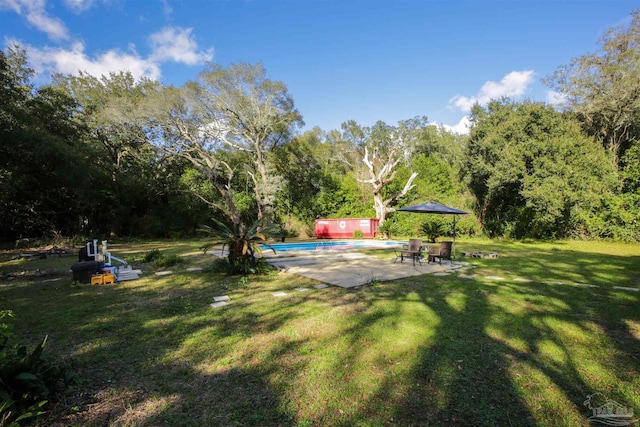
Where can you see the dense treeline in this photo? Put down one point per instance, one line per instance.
(113, 155)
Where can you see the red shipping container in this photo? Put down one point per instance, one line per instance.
(343, 228)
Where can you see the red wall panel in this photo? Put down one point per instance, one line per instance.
(343, 228)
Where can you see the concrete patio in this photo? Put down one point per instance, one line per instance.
(349, 269)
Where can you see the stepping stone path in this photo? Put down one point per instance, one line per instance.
(494, 278)
(466, 276)
(523, 279)
(194, 269)
(163, 273)
(219, 304)
(626, 289)
(300, 289)
(586, 285)
(442, 274)
(220, 301)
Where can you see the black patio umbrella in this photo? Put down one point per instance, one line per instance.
(440, 209)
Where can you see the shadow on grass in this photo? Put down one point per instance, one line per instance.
(418, 351)
(606, 265)
(465, 370)
(458, 375)
(499, 354)
(490, 365)
(126, 340)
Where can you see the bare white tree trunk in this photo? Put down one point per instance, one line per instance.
(381, 173)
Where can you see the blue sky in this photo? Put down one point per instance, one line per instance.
(362, 60)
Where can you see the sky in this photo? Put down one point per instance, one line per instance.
(340, 59)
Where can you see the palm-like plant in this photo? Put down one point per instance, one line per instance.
(243, 243)
(387, 227)
(432, 229)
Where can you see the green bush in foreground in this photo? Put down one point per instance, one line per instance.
(27, 381)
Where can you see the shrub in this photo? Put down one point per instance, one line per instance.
(168, 260)
(467, 225)
(161, 260)
(27, 380)
(240, 266)
(385, 230)
(358, 234)
(243, 244)
(432, 229)
(221, 265)
(152, 256)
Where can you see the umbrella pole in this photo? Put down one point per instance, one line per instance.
(454, 236)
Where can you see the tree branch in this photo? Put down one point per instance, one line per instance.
(407, 187)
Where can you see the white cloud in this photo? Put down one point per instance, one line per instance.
(171, 44)
(167, 10)
(556, 98)
(74, 60)
(177, 44)
(9, 4)
(462, 127)
(513, 84)
(78, 5)
(35, 13)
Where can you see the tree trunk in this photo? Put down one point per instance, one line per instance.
(237, 257)
(380, 207)
(231, 206)
(381, 174)
(261, 184)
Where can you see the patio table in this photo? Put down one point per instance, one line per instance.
(414, 255)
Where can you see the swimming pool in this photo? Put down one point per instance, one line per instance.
(327, 245)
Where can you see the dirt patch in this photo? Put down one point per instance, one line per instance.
(37, 273)
(105, 407)
(51, 250)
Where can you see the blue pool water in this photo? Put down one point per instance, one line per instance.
(324, 245)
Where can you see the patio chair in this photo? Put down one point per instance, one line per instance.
(441, 252)
(412, 250)
(415, 245)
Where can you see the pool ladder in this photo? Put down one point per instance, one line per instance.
(322, 244)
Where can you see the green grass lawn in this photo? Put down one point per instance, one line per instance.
(419, 351)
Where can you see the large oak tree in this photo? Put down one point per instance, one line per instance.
(532, 172)
(603, 88)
